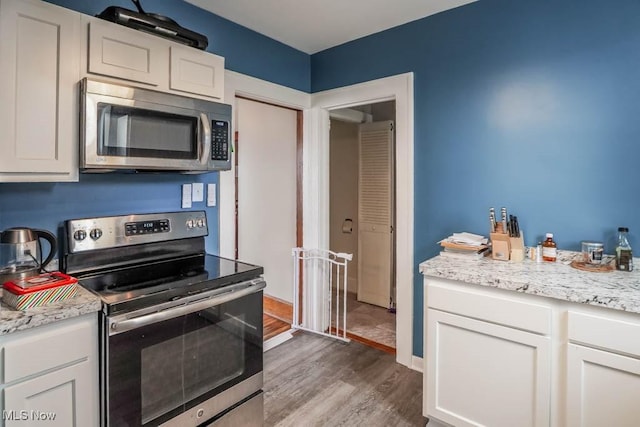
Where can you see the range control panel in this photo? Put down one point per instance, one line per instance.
(115, 231)
(147, 227)
(219, 140)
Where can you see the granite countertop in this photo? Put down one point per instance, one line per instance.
(618, 290)
(12, 320)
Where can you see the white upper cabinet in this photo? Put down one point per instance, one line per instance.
(46, 50)
(121, 54)
(39, 73)
(127, 54)
(197, 72)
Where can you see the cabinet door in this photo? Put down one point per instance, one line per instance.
(62, 398)
(482, 374)
(197, 72)
(121, 52)
(602, 388)
(39, 72)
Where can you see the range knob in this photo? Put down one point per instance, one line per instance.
(190, 224)
(80, 235)
(200, 222)
(95, 234)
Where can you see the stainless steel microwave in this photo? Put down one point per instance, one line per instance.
(127, 128)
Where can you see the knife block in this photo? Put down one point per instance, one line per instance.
(500, 246)
(517, 248)
(505, 248)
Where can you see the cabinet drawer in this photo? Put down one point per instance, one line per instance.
(47, 347)
(510, 311)
(606, 333)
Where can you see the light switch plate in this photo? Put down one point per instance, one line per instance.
(197, 194)
(186, 196)
(211, 194)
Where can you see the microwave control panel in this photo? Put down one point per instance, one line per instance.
(219, 140)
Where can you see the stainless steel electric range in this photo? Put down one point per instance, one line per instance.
(181, 330)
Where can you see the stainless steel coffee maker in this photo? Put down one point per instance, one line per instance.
(21, 252)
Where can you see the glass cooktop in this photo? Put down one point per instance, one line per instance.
(144, 285)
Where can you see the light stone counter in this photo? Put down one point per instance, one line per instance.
(12, 320)
(617, 289)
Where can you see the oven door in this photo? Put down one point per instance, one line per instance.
(185, 364)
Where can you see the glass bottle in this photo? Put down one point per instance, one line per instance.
(624, 257)
(539, 252)
(549, 249)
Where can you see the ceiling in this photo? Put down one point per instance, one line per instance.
(315, 25)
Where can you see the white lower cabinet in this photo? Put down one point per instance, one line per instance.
(603, 370)
(603, 388)
(498, 358)
(56, 398)
(50, 375)
(486, 375)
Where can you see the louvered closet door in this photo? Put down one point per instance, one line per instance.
(375, 213)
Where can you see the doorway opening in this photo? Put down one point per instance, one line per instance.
(362, 216)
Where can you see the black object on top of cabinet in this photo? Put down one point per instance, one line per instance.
(153, 23)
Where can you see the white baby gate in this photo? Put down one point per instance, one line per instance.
(320, 292)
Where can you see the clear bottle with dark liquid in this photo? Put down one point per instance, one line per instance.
(624, 256)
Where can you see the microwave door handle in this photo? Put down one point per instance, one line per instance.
(205, 140)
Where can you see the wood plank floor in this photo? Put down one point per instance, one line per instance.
(272, 326)
(373, 323)
(316, 381)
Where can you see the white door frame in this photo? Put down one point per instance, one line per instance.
(316, 185)
(237, 84)
(316, 174)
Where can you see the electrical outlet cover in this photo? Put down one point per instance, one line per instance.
(197, 194)
(211, 194)
(186, 196)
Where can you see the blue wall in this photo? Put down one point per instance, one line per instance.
(47, 205)
(532, 105)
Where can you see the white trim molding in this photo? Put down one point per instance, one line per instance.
(237, 84)
(316, 184)
(316, 108)
(417, 363)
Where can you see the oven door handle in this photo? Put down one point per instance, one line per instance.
(200, 303)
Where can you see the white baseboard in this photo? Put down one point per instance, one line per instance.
(417, 363)
(277, 340)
